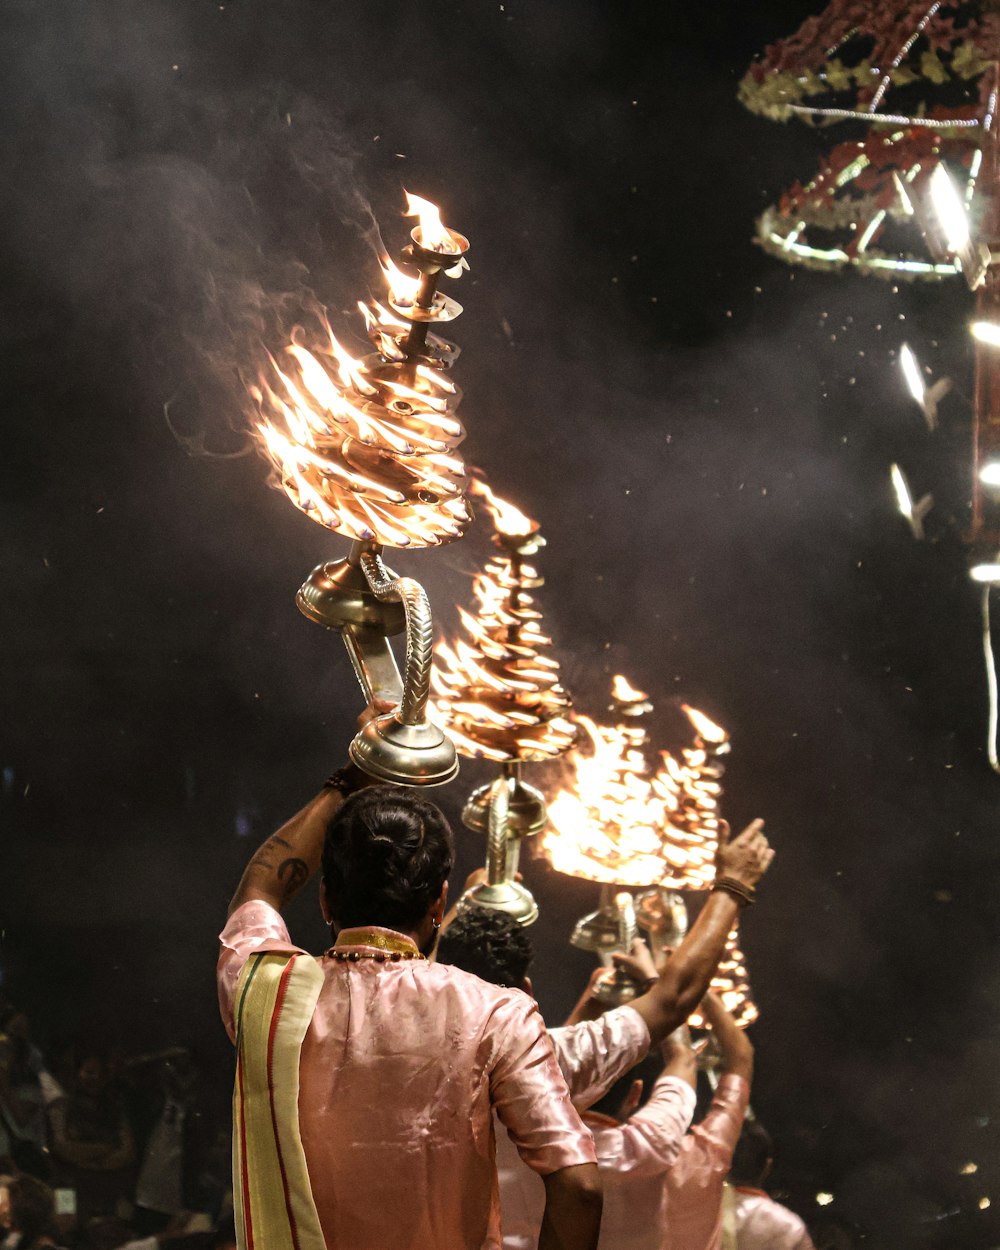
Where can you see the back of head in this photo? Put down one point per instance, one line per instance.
(752, 1156)
(386, 857)
(489, 944)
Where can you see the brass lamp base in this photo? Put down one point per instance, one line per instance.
(663, 914)
(526, 812)
(506, 896)
(599, 931)
(404, 755)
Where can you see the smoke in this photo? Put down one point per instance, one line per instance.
(704, 437)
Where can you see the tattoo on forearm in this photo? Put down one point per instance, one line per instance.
(293, 873)
(262, 859)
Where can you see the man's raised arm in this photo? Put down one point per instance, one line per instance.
(688, 972)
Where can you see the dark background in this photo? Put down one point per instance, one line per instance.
(704, 434)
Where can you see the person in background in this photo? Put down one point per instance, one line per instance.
(25, 1089)
(760, 1223)
(695, 1184)
(91, 1138)
(31, 1217)
(367, 1079)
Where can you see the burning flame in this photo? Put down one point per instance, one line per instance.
(608, 827)
(367, 446)
(732, 984)
(625, 693)
(431, 232)
(498, 694)
(707, 730)
(506, 518)
(622, 822)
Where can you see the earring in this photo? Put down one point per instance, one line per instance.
(436, 924)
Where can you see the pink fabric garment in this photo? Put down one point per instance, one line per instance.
(595, 1053)
(633, 1157)
(695, 1182)
(763, 1224)
(401, 1069)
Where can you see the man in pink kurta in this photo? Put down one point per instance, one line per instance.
(695, 1185)
(758, 1222)
(404, 1062)
(761, 1223)
(633, 1157)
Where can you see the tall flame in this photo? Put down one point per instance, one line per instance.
(706, 729)
(431, 233)
(506, 518)
(626, 693)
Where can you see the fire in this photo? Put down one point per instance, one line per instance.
(430, 232)
(506, 518)
(366, 446)
(732, 984)
(623, 821)
(497, 691)
(707, 730)
(626, 693)
(608, 827)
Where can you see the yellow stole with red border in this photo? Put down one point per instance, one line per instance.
(272, 1196)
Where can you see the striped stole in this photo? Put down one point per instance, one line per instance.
(272, 1197)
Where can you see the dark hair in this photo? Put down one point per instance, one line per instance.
(32, 1209)
(754, 1151)
(386, 857)
(489, 944)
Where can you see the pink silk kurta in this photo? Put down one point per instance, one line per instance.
(695, 1182)
(763, 1224)
(633, 1157)
(401, 1069)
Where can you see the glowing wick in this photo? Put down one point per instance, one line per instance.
(987, 573)
(989, 474)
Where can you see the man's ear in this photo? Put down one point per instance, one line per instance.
(528, 987)
(441, 905)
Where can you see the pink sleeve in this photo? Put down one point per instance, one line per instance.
(528, 1091)
(593, 1054)
(713, 1140)
(649, 1141)
(250, 927)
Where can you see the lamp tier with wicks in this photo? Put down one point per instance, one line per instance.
(497, 690)
(865, 59)
(367, 446)
(732, 984)
(607, 823)
(864, 210)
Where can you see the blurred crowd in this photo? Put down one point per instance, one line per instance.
(100, 1150)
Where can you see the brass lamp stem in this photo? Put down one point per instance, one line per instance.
(419, 633)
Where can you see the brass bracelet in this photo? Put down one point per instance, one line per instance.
(744, 894)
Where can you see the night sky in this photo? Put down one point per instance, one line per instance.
(704, 434)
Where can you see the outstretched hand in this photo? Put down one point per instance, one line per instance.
(745, 858)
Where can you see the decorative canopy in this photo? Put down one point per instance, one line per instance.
(859, 58)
